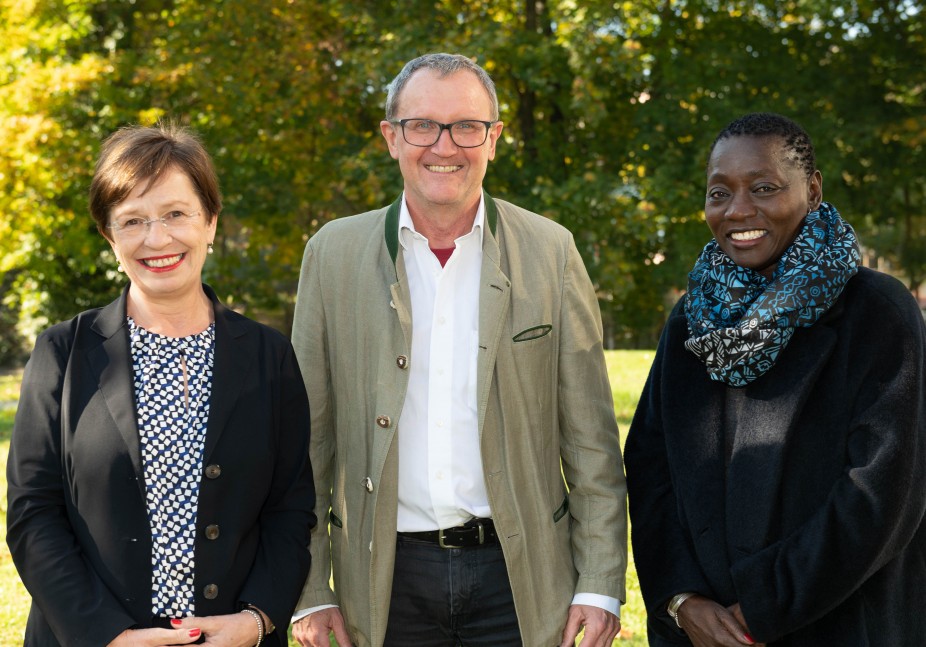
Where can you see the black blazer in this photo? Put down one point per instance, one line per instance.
(801, 496)
(77, 524)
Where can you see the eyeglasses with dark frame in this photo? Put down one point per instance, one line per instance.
(468, 133)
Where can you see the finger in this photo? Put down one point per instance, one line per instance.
(300, 632)
(167, 637)
(340, 635)
(317, 635)
(735, 629)
(573, 625)
(600, 634)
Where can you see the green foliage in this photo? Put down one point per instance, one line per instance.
(609, 109)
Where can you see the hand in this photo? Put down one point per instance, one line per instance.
(313, 629)
(229, 630)
(738, 614)
(156, 637)
(600, 626)
(709, 624)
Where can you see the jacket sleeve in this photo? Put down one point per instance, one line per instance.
(589, 440)
(665, 559)
(877, 506)
(75, 602)
(309, 340)
(287, 516)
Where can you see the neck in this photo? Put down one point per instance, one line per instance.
(442, 226)
(172, 317)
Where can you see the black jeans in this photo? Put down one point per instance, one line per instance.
(451, 597)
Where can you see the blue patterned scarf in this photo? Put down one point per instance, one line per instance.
(739, 321)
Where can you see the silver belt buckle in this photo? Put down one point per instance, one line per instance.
(482, 538)
(440, 541)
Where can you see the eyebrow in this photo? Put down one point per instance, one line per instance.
(750, 174)
(180, 205)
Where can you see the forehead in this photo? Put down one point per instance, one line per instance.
(460, 95)
(751, 155)
(173, 186)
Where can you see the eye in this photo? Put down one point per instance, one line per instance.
(422, 125)
(465, 126)
(765, 188)
(717, 194)
(175, 215)
(132, 223)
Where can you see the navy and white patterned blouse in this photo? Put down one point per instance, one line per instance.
(173, 385)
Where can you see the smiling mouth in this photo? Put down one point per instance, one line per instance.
(162, 261)
(442, 169)
(748, 235)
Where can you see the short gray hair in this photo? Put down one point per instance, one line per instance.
(444, 65)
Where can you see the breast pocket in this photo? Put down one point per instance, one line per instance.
(533, 351)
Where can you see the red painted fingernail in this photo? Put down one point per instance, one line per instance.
(194, 633)
(749, 638)
(176, 622)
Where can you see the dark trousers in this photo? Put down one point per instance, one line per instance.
(450, 597)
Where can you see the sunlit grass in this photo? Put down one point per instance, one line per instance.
(15, 606)
(627, 371)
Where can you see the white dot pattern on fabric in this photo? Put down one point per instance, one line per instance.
(173, 386)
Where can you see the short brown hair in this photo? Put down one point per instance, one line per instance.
(136, 154)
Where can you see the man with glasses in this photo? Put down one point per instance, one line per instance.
(464, 444)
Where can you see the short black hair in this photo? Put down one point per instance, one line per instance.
(769, 124)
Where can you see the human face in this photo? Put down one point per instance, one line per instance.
(443, 179)
(757, 200)
(163, 263)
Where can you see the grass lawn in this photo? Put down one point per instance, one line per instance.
(627, 370)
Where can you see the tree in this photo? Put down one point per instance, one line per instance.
(609, 111)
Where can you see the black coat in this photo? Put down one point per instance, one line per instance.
(812, 517)
(77, 524)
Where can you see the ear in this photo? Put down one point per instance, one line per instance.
(390, 134)
(815, 191)
(212, 226)
(494, 133)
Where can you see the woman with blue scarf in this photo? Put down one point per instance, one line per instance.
(776, 464)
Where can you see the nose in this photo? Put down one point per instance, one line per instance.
(157, 234)
(444, 146)
(740, 206)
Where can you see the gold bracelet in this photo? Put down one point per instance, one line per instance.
(674, 605)
(260, 625)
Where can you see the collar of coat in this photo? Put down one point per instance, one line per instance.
(392, 222)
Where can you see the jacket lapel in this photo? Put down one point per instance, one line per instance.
(111, 366)
(235, 351)
(494, 299)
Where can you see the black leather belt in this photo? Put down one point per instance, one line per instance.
(475, 532)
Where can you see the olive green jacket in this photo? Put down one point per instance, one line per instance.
(544, 405)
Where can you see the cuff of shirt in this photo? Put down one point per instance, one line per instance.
(302, 613)
(605, 602)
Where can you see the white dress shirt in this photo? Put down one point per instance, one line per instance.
(439, 425)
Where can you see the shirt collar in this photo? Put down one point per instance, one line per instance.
(407, 228)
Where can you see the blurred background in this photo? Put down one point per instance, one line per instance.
(609, 111)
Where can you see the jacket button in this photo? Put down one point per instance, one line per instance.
(368, 484)
(392, 304)
(210, 591)
(402, 362)
(213, 471)
(383, 421)
(212, 531)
